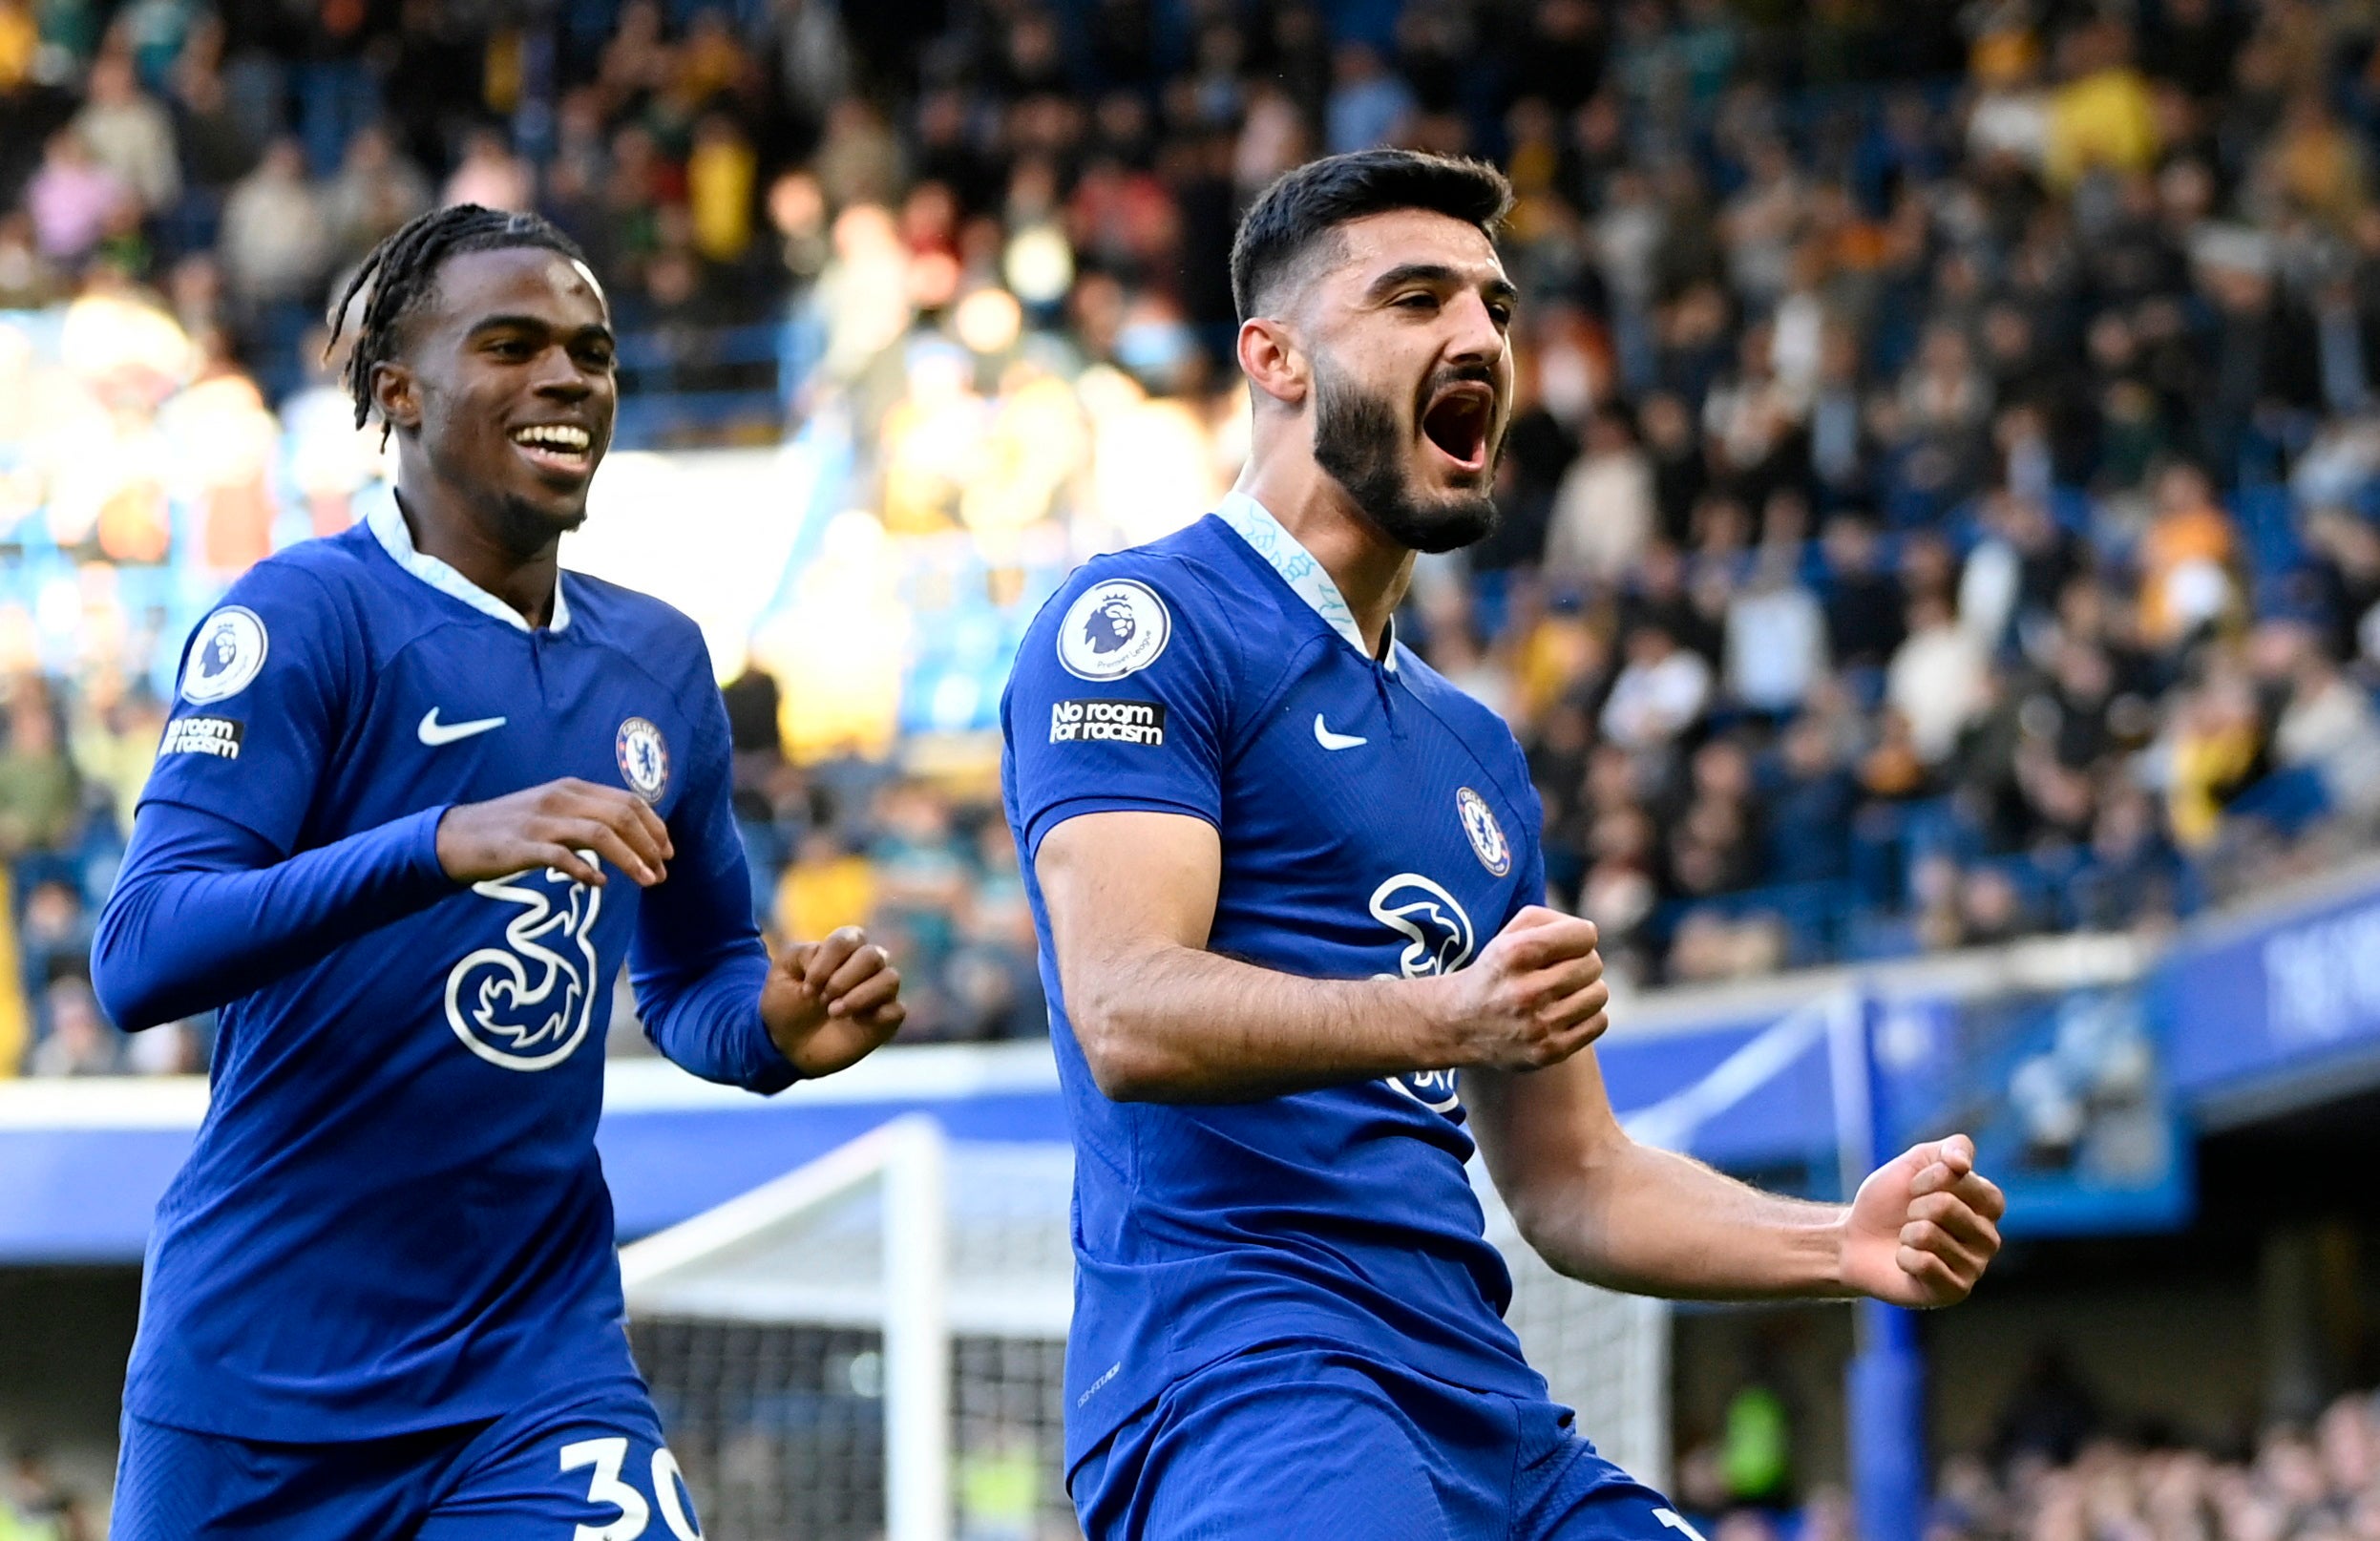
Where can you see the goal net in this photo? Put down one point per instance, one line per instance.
(872, 1345)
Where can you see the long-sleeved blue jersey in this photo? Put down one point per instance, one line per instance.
(394, 1218)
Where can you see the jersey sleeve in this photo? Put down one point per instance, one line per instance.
(1121, 698)
(696, 963)
(206, 910)
(1529, 840)
(266, 688)
(1532, 885)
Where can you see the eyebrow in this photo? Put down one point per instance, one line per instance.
(520, 323)
(1438, 275)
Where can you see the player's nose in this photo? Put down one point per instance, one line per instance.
(563, 377)
(1477, 337)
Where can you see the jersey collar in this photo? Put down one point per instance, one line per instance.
(388, 526)
(1252, 523)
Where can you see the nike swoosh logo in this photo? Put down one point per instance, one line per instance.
(434, 732)
(1335, 741)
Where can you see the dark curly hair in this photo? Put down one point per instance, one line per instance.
(400, 271)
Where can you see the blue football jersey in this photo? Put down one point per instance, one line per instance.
(1375, 822)
(393, 1218)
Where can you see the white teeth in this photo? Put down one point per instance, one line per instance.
(561, 436)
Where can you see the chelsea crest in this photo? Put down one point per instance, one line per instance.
(1487, 841)
(643, 758)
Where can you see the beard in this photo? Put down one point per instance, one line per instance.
(1359, 441)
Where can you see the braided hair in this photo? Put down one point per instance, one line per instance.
(400, 270)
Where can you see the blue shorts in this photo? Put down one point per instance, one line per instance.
(1320, 1445)
(595, 1468)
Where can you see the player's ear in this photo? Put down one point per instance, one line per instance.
(395, 394)
(1270, 356)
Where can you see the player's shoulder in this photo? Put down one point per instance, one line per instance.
(628, 615)
(1462, 711)
(1188, 567)
(325, 581)
(659, 636)
(1123, 604)
(327, 564)
(1464, 715)
(306, 611)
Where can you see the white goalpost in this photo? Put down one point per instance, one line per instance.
(874, 1345)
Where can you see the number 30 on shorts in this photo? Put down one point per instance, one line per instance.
(607, 1486)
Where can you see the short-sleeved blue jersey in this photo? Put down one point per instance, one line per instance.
(394, 1218)
(1375, 822)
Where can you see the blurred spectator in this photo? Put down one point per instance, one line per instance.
(1757, 1450)
(276, 242)
(2215, 749)
(1776, 634)
(995, 976)
(489, 175)
(2327, 724)
(860, 160)
(218, 145)
(1604, 514)
(1659, 693)
(1368, 105)
(113, 738)
(2185, 557)
(720, 177)
(129, 134)
(33, 1504)
(54, 936)
(920, 877)
(2102, 119)
(1810, 805)
(79, 1041)
(1864, 615)
(1936, 679)
(26, 279)
(38, 797)
(377, 189)
(20, 38)
(825, 887)
(73, 198)
(814, 58)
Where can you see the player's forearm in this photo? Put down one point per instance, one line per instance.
(203, 914)
(706, 1019)
(1180, 1024)
(1651, 1222)
(697, 963)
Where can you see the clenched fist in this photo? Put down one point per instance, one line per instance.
(1534, 996)
(1923, 1229)
(555, 826)
(828, 1004)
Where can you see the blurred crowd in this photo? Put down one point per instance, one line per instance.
(2298, 1485)
(1939, 505)
(36, 1506)
(2053, 1472)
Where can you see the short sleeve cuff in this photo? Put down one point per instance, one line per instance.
(1057, 813)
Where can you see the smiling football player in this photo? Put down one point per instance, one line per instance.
(407, 769)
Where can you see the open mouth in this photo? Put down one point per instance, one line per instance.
(565, 448)
(1456, 423)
